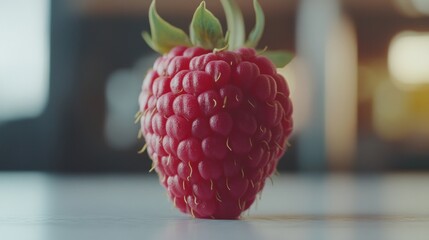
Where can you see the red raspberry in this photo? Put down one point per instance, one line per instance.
(219, 137)
(215, 122)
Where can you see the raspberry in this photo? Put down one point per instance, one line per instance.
(216, 123)
(213, 126)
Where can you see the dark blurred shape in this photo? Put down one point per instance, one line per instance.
(68, 136)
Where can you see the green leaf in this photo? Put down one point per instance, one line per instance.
(256, 33)
(279, 58)
(235, 23)
(148, 39)
(205, 29)
(164, 36)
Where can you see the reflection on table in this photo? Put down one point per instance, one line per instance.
(39, 206)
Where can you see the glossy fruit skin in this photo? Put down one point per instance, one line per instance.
(216, 125)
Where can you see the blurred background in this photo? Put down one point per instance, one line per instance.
(71, 71)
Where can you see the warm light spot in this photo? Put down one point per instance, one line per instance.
(413, 8)
(400, 114)
(390, 112)
(408, 58)
(421, 6)
(341, 95)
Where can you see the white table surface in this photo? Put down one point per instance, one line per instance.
(40, 206)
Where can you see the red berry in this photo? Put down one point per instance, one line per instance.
(203, 191)
(201, 128)
(176, 83)
(158, 124)
(197, 82)
(216, 125)
(210, 102)
(232, 96)
(265, 88)
(164, 105)
(177, 64)
(244, 74)
(215, 147)
(177, 51)
(186, 105)
(170, 145)
(148, 80)
(245, 122)
(265, 65)
(221, 123)
(220, 71)
(210, 169)
(178, 127)
(160, 86)
(194, 52)
(200, 62)
(189, 150)
(229, 57)
(231, 167)
(247, 54)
